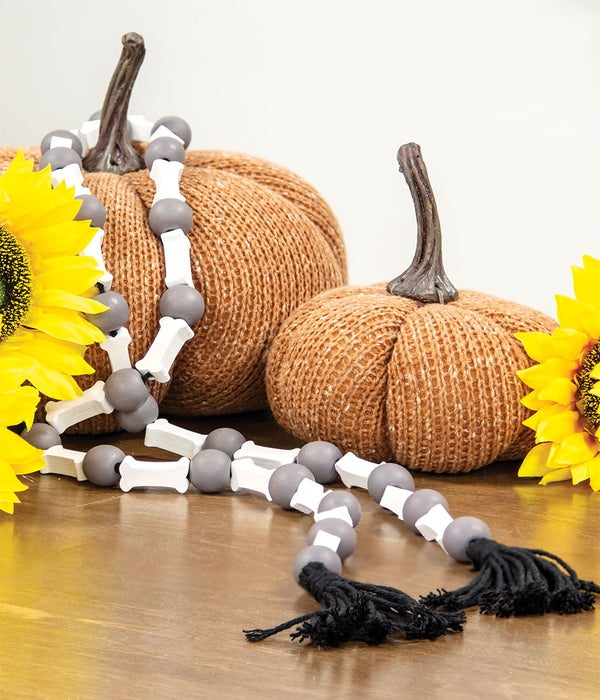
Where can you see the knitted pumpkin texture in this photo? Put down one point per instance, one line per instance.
(414, 372)
(263, 241)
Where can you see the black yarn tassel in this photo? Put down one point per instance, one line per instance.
(354, 611)
(513, 581)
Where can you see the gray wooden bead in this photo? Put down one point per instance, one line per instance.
(177, 125)
(100, 465)
(228, 440)
(339, 528)
(125, 389)
(115, 316)
(59, 158)
(76, 144)
(317, 553)
(420, 503)
(210, 471)
(182, 301)
(337, 499)
(462, 531)
(168, 214)
(320, 457)
(91, 208)
(389, 474)
(42, 436)
(136, 421)
(165, 148)
(284, 482)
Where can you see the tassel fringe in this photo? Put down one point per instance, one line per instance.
(354, 611)
(513, 581)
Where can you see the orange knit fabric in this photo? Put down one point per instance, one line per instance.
(430, 386)
(263, 242)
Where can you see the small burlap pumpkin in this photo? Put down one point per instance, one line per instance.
(416, 372)
(263, 241)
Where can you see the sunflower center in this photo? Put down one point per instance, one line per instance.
(16, 283)
(587, 403)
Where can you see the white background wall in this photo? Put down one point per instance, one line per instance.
(503, 97)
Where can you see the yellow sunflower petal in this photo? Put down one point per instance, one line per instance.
(72, 279)
(580, 472)
(22, 457)
(65, 325)
(533, 401)
(7, 501)
(54, 384)
(542, 415)
(537, 345)
(594, 472)
(560, 390)
(556, 475)
(558, 427)
(18, 405)
(586, 281)
(535, 462)
(575, 449)
(569, 343)
(578, 315)
(8, 479)
(538, 376)
(66, 300)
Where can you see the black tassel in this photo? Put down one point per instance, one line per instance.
(354, 611)
(513, 581)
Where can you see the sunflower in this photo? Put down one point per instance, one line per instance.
(565, 385)
(45, 286)
(17, 404)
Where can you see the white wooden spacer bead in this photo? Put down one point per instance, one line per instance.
(139, 127)
(269, 457)
(61, 142)
(166, 175)
(308, 496)
(178, 269)
(65, 462)
(72, 176)
(245, 474)
(394, 499)
(63, 414)
(88, 134)
(341, 513)
(433, 524)
(117, 348)
(94, 250)
(171, 475)
(326, 539)
(171, 336)
(165, 131)
(354, 471)
(171, 437)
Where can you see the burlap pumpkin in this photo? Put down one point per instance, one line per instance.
(430, 385)
(263, 241)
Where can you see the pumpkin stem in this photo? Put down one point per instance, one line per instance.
(114, 153)
(425, 280)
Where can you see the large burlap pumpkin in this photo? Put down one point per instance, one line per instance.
(263, 241)
(415, 372)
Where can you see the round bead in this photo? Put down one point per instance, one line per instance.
(165, 148)
(182, 301)
(317, 553)
(462, 531)
(420, 503)
(125, 389)
(59, 158)
(339, 528)
(284, 482)
(91, 209)
(100, 465)
(136, 421)
(177, 125)
(228, 440)
(339, 499)
(169, 214)
(210, 471)
(320, 457)
(115, 316)
(76, 144)
(42, 436)
(389, 474)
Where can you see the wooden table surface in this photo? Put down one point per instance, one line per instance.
(105, 594)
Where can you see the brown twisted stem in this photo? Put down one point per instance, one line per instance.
(425, 280)
(114, 153)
